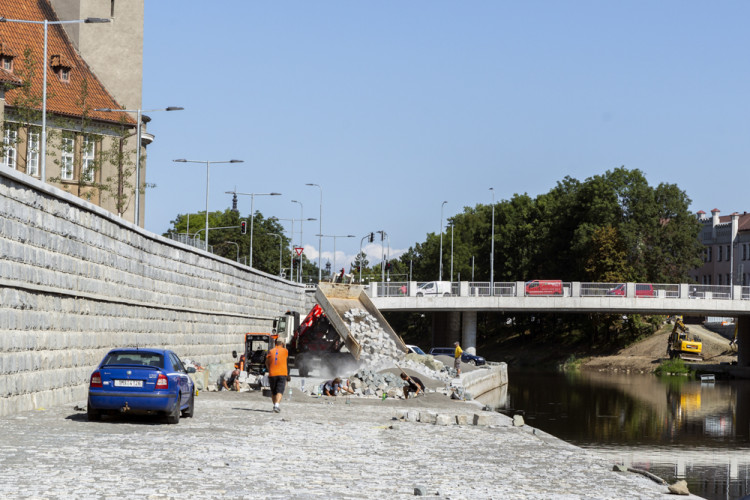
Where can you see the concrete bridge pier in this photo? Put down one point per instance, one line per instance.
(451, 326)
(446, 328)
(469, 331)
(743, 341)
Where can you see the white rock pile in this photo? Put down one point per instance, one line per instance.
(380, 352)
(378, 348)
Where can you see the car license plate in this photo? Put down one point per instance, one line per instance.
(128, 383)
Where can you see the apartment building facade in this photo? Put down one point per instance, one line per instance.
(89, 152)
(726, 253)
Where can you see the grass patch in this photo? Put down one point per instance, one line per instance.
(674, 366)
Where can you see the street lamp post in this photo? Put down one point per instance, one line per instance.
(46, 23)
(252, 214)
(301, 218)
(139, 114)
(334, 236)
(452, 229)
(492, 246)
(208, 165)
(320, 230)
(281, 241)
(291, 240)
(440, 258)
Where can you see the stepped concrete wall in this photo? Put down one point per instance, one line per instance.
(76, 281)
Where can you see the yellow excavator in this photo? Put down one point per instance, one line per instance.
(682, 344)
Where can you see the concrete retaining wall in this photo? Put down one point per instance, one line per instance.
(76, 281)
(481, 381)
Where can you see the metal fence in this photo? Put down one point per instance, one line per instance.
(553, 288)
(710, 292)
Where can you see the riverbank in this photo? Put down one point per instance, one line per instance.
(317, 447)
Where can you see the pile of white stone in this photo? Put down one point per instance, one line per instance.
(380, 352)
(378, 348)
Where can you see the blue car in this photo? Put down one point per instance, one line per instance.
(465, 356)
(142, 381)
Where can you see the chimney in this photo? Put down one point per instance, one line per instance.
(714, 222)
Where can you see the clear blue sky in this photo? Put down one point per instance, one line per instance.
(395, 106)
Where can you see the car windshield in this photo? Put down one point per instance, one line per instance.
(134, 358)
(416, 349)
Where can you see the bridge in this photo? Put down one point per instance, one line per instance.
(456, 304)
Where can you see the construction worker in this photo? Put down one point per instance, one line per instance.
(413, 384)
(278, 372)
(457, 357)
(229, 380)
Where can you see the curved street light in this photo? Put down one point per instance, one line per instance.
(252, 214)
(139, 115)
(208, 164)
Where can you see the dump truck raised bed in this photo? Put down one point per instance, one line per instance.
(325, 341)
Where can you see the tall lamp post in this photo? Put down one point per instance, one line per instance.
(46, 23)
(320, 231)
(301, 218)
(334, 236)
(281, 241)
(291, 241)
(252, 214)
(440, 258)
(452, 229)
(492, 246)
(208, 165)
(139, 114)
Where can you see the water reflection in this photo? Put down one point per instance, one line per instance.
(676, 428)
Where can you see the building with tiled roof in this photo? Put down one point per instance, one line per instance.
(90, 153)
(726, 249)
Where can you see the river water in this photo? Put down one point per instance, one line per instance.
(673, 427)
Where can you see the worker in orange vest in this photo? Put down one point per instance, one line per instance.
(278, 372)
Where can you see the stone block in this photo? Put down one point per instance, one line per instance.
(427, 417)
(443, 419)
(462, 420)
(482, 419)
(518, 421)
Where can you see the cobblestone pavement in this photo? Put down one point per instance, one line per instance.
(236, 447)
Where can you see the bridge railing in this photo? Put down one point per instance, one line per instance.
(710, 292)
(573, 289)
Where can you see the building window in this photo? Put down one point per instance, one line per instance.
(88, 165)
(709, 254)
(719, 276)
(729, 280)
(6, 63)
(729, 252)
(66, 158)
(64, 74)
(10, 143)
(718, 257)
(32, 157)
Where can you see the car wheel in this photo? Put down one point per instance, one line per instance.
(420, 294)
(188, 413)
(173, 417)
(473, 362)
(446, 294)
(92, 414)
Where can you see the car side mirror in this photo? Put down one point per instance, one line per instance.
(191, 369)
(234, 354)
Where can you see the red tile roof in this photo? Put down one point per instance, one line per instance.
(63, 98)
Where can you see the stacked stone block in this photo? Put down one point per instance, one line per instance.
(76, 281)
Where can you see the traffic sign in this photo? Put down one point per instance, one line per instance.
(298, 250)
